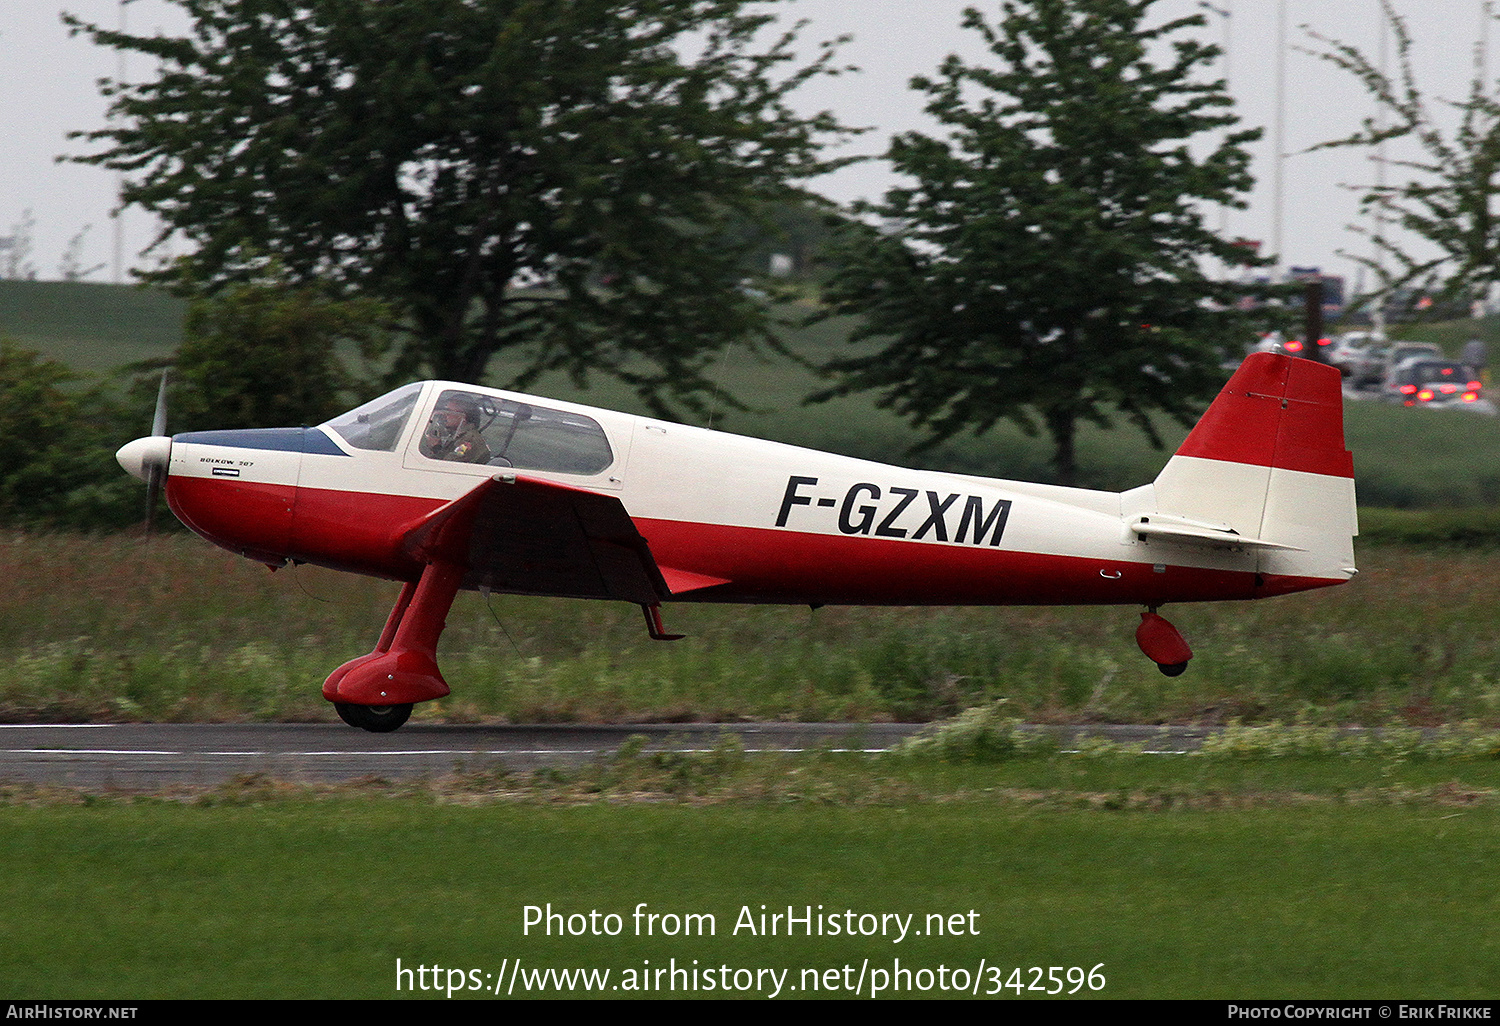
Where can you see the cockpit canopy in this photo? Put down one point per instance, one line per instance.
(474, 427)
(377, 425)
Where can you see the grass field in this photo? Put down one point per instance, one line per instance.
(95, 329)
(173, 629)
(1183, 878)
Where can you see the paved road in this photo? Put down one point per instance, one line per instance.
(139, 756)
(148, 756)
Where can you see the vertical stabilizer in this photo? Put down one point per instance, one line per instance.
(1267, 461)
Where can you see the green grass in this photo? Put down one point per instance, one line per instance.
(1410, 458)
(1450, 335)
(94, 328)
(1245, 891)
(1446, 533)
(174, 629)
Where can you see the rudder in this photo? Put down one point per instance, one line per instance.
(1267, 461)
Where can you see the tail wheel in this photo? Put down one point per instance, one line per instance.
(378, 719)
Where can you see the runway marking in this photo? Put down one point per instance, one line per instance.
(53, 726)
(86, 751)
(414, 751)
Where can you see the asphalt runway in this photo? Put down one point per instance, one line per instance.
(141, 757)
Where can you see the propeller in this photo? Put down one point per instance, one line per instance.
(157, 474)
(148, 458)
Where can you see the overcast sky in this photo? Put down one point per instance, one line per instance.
(48, 87)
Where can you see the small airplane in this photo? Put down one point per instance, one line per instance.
(446, 486)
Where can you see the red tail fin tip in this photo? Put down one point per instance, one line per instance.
(1276, 411)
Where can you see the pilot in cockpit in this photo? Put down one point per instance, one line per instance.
(453, 432)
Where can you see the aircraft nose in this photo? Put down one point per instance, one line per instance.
(143, 455)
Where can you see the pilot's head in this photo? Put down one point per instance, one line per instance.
(454, 410)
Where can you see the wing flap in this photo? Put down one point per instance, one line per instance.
(530, 536)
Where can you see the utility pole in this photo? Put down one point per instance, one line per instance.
(1377, 316)
(1278, 141)
(1312, 320)
(1226, 12)
(118, 215)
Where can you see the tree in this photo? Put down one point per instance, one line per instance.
(57, 438)
(1452, 181)
(1046, 265)
(72, 267)
(543, 176)
(261, 354)
(16, 247)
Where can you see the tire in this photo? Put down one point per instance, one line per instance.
(378, 719)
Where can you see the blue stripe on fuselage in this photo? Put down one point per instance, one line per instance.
(307, 440)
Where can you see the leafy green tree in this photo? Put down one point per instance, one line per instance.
(57, 443)
(542, 174)
(1449, 181)
(1047, 263)
(263, 354)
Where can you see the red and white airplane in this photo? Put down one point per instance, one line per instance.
(446, 486)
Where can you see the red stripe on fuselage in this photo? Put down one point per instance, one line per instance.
(766, 565)
(363, 532)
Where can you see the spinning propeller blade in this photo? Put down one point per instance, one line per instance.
(159, 419)
(156, 470)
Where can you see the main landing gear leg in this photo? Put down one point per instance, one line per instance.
(1162, 644)
(376, 691)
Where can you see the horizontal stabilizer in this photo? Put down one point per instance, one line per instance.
(1192, 534)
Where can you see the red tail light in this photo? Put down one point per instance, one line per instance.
(1408, 389)
(1471, 397)
(1325, 341)
(1476, 385)
(1294, 346)
(1426, 395)
(1447, 388)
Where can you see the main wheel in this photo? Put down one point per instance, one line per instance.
(379, 719)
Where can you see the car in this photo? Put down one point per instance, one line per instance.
(1370, 366)
(1400, 350)
(1423, 381)
(1296, 347)
(1354, 352)
(1267, 342)
(1275, 342)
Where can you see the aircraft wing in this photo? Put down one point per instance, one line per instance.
(518, 534)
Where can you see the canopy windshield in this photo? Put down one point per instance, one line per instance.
(377, 425)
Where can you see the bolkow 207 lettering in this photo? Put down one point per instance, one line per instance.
(896, 512)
